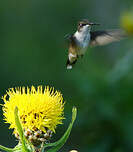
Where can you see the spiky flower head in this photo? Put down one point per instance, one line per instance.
(40, 109)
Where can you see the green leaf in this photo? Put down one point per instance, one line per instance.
(6, 149)
(20, 131)
(57, 145)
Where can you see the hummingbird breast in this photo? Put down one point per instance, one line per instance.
(82, 41)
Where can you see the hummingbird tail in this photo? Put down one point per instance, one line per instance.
(69, 64)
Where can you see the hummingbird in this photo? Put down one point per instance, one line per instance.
(85, 37)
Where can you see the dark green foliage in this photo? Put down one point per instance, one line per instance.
(33, 52)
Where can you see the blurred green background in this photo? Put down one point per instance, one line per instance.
(33, 51)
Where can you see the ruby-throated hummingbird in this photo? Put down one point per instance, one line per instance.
(84, 37)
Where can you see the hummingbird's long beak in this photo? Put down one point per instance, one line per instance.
(93, 24)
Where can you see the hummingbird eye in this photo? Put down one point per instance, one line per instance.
(82, 24)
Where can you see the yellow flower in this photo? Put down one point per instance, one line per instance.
(127, 22)
(39, 109)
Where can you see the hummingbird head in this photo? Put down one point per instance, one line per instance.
(85, 25)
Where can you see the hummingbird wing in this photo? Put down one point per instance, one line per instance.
(105, 37)
(68, 36)
(72, 53)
